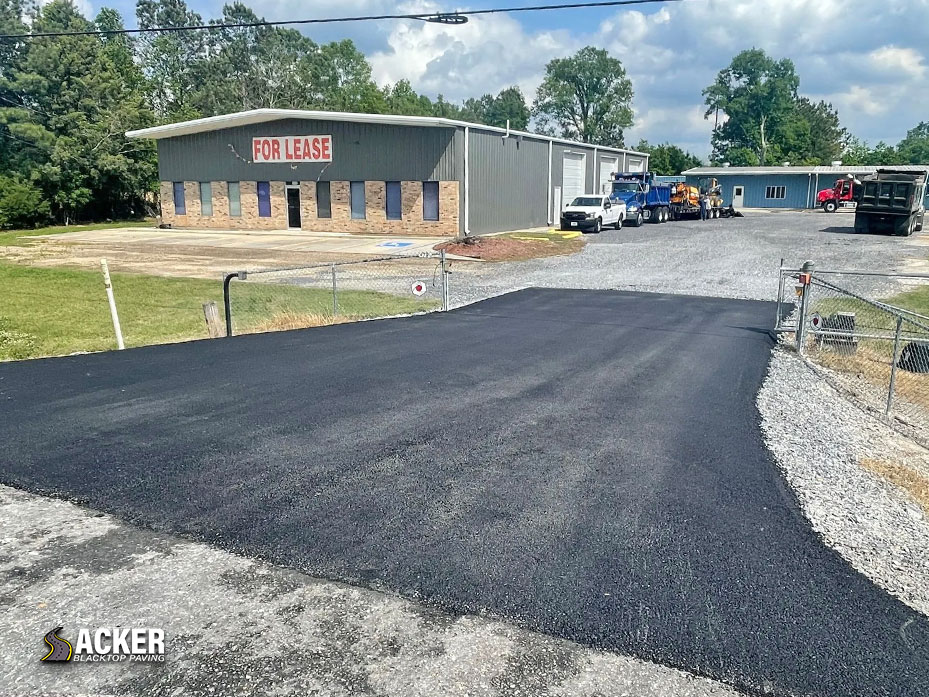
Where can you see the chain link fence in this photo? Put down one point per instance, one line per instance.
(310, 296)
(876, 350)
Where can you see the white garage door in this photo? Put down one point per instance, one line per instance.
(635, 164)
(607, 165)
(574, 174)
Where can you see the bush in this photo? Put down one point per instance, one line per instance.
(21, 203)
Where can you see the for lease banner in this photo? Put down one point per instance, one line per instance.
(292, 149)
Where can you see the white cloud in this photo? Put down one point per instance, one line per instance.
(872, 68)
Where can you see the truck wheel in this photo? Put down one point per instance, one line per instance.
(666, 212)
(598, 226)
(619, 224)
(829, 206)
(639, 219)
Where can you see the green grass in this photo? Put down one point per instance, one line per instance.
(19, 238)
(49, 311)
(913, 300)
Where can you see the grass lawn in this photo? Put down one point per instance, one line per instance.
(15, 238)
(48, 311)
(915, 300)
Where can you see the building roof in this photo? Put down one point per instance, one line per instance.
(246, 118)
(819, 169)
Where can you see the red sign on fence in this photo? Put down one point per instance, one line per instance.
(292, 149)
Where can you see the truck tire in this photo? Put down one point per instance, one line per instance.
(830, 206)
(598, 226)
(638, 220)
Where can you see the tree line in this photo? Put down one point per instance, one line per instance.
(763, 120)
(66, 103)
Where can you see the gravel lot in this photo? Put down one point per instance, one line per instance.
(736, 258)
(819, 446)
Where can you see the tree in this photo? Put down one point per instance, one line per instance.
(21, 203)
(401, 98)
(508, 106)
(667, 159)
(586, 97)
(914, 149)
(169, 58)
(758, 95)
(76, 96)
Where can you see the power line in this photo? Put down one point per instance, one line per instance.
(458, 17)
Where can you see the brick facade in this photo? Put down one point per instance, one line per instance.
(375, 221)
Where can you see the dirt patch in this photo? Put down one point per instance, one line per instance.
(912, 482)
(516, 247)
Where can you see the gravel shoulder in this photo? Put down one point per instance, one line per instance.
(235, 625)
(819, 440)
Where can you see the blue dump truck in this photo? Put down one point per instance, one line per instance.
(645, 198)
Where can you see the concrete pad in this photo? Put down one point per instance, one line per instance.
(295, 241)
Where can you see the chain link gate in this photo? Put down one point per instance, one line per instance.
(877, 351)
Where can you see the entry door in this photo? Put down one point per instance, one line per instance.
(293, 207)
(738, 196)
(574, 176)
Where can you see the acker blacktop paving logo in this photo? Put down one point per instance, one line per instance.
(107, 644)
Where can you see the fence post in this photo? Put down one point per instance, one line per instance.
(109, 296)
(335, 294)
(780, 293)
(893, 367)
(805, 281)
(444, 281)
(227, 301)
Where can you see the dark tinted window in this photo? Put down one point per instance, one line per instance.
(264, 199)
(180, 205)
(357, 196)
(393, 201)
(323, 205)
(430, 200)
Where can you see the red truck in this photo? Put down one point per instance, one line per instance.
(842, 192)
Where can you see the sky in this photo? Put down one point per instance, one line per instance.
(869, 59)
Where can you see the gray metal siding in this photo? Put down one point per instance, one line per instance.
(507, 181)
(800, 190)
(361, 151)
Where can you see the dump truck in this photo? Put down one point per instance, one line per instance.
(842, 192)
(685, 199)
(645, 198)
(891, 201)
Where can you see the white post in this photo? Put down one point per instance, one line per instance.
(551, 213)
(109, 296)
(467, 193)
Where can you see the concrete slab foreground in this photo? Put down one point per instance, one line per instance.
(284, 240)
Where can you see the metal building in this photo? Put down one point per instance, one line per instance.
(779, 187)
(344, 172)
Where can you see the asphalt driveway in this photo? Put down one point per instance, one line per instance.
(587, 463)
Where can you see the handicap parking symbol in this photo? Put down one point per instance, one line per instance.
(395, 244)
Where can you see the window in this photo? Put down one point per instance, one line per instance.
(430, 200)
(323, 206)
(206, 199)
(264, 199)
(357, 196)
(235, 199)
(393, 201)
(180, 205)
(775, 192)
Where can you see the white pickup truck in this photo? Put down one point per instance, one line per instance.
(593, 212)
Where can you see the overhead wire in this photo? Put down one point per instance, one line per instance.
(451, 18)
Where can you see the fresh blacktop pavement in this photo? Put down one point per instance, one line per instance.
(552, 459)
(554, 492)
